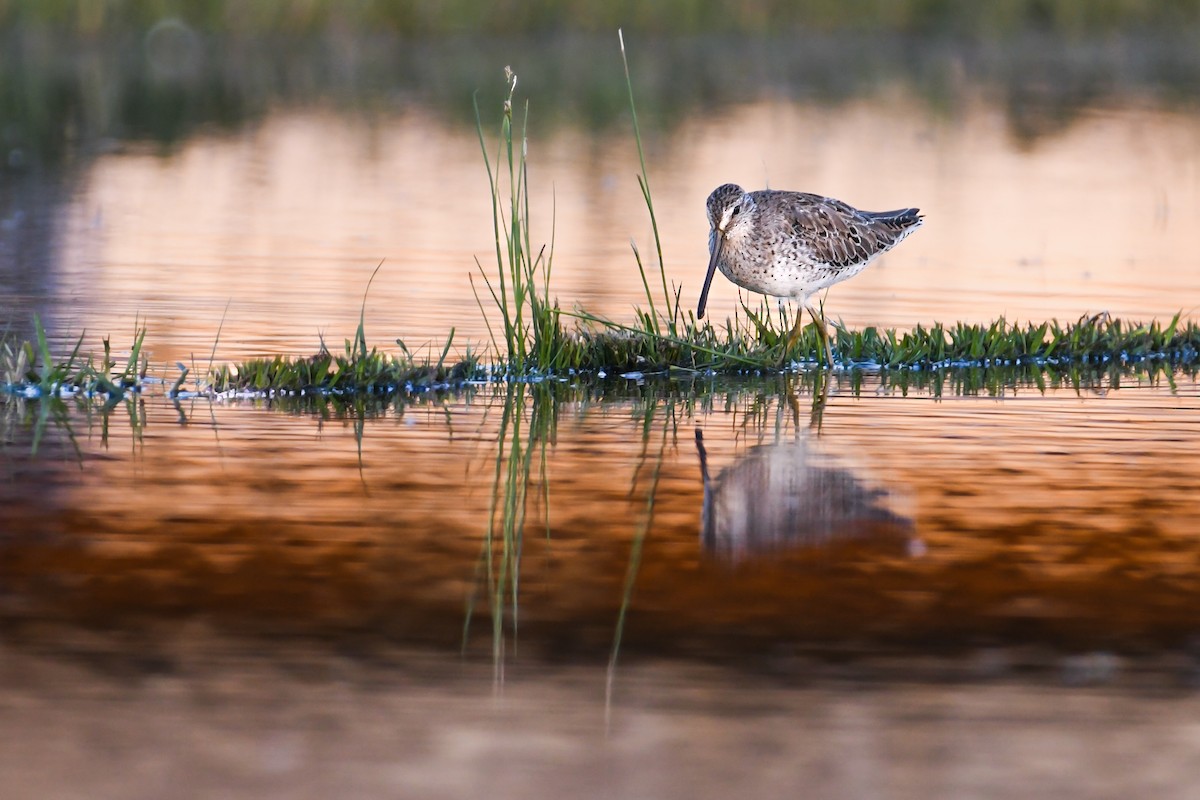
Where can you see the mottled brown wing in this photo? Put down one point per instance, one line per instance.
(839, 235)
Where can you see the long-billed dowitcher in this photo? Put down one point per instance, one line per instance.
(792, 244)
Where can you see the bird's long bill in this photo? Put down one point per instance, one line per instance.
(712, 268)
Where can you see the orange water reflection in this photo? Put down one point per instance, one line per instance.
(286, 221)
(1060, 519)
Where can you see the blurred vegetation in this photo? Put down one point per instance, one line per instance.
(441, 17)
(82, 75)
(64, 95)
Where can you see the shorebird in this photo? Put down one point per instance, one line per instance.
(792, 244)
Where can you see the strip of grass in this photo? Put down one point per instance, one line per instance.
(356, 371)
(373, 373)
(1031, 353)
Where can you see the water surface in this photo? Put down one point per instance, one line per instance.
(719, 525)
(649, 586)
(283, 218)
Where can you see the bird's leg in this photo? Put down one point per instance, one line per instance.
(794, 336)
(819, 318)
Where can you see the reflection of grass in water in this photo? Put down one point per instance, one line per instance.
(644, 523)
(535, 407)
(528, 427)
(50, 415)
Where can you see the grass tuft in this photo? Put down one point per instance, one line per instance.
(533, 333)
(31, 370)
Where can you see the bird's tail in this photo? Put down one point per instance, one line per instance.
(901, 219)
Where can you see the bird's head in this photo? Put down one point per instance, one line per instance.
(729, 214)
(729, 208)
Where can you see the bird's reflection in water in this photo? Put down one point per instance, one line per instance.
(784, 496)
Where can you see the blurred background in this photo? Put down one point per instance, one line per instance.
(162, 161)
(994, 597)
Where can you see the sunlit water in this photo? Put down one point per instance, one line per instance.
(284, 222)
(582, 583)
(604, 584)
(738, 518)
